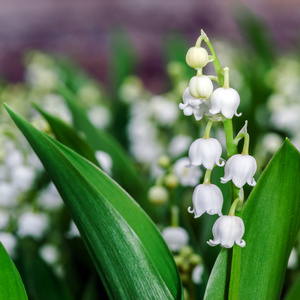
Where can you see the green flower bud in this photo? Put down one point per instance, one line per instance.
(197, 57)
(164, 161)
(171, 181)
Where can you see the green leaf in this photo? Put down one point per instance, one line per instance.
(272, 220)
(100, 140)
(129, 253)
(11, 285)
(69, 136)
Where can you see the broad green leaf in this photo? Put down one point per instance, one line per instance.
(123, 170)
(11, 285)
(69, 136)
(129, 253)
(272, 220)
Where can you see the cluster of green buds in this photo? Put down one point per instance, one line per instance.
(219, 105)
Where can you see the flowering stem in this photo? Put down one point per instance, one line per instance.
(207, 130)
(231, 148)
(246, 137)
(233, 207)
(215, 59)
(207, 177)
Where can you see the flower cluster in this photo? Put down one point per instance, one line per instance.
(220, 105)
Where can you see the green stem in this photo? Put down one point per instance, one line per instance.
(174, 216)
(231, 148)
(215, 61)
(207, 130)
(207, 177)
(246, 144)
(233, 207)
(199, 72)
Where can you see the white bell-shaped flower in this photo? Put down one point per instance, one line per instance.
(207, 152)
(228, 230)
(207, 198)
(201, 86)
(225, 101)
(240, 168)
(193, 106)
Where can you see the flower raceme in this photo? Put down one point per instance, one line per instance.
(206, 151)
(207, 198)
(240, 168)
(228, 230)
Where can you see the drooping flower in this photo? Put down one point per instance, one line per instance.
(207, 152)
(207, 198)
(240, 168)
(228, 230)
(201, 86)
(175, 237)
(193, 106)
(225, 101)
(186, 176)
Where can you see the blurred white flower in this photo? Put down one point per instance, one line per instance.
(293, 259)
(175, 237)
(9, 242)
(228, 230)
(207, 198)
(197, 274)
(22, 177)
(179, 144)
(186, 176)
(207, 152)
(73, 231)
(4, 219)
(41, 77)
(105, 161)
(49, 253)
(100, 116)
(55, 105)
(7, 192)
(32, 224)
(49, 198)
(14, 158)
(240, 168)
(164, 111)
(271, 142)
(225, 101)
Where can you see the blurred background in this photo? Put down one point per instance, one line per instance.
(123, 64)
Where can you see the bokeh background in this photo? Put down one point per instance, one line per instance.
(124, 63)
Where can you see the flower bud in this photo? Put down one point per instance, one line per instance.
(225, 101)
(158, 195)
(200, 86)
(228, 230)
(207, 198)
(171, 181)
(164, 161)
(240, 168)
(197, 57)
